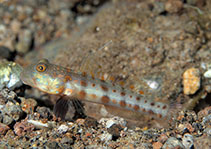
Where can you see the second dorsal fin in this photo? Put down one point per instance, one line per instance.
(91, 66)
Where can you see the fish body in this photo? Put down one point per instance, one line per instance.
(54, 79)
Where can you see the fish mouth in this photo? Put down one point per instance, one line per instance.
(25, 78)
(22, 77)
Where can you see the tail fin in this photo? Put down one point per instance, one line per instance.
(174, 110)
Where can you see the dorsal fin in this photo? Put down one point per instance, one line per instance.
(91, 66)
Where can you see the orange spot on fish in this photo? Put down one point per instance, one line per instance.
(104, 88)
(141, 92)
(144, 110)
(54, 74)
(122, 93)
(122, 83)
(102, 78)
(138, 98)
(94, 96)
(68, 78)
(60, 76)
(159, 115)
(68, 70)
(114, 101)
(151, 112)
(84, 74)
(83, 83)
(93, 84)
(92, 75)
(132, 87)
(105, 99)
(152, 104)
(112, 79)
(122, 103)
(75, 81)
(136, 107)
(82, 94)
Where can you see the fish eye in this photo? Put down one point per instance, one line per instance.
(41, 67)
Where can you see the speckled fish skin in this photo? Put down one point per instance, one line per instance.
(54, 79)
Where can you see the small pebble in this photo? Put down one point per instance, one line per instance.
(191, 81)
(12, 110)
(207, 74)
(108, 122)
(115, 130)
(172, 142)
(52, 144)
(157, 145)
(90, 122)
(204, 112)
(7, 120)
(5, 52)
(3, 129)
(15, 26)
(206, 120)
(63, 129)
(1, 116)
(80, 121)
(202, 142)
(208, 131)
(173, 6)
(105, 137)
(7, 95)
(81, 19)
(185, 127)
(28, 105)
(44, 112)
(187, 141)
(41, 14)
(67, 140)
(20, 128)
(163, 138)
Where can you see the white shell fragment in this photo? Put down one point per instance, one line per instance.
(153, 84)
(207, 74)
(108, 122)
(38, 124)
(63, 129)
